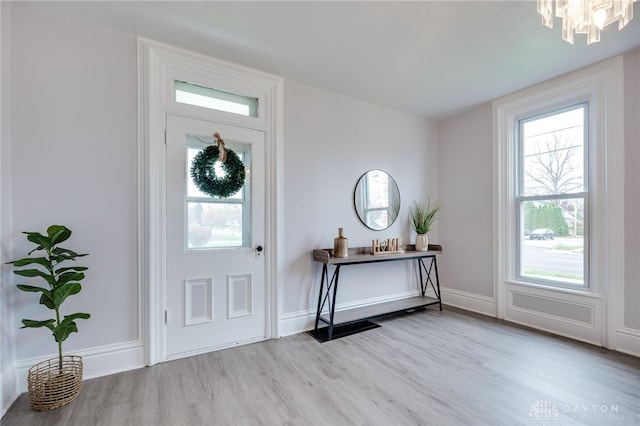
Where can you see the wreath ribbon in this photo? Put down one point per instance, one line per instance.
(222, 151)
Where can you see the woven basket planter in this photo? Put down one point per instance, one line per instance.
(52, 387)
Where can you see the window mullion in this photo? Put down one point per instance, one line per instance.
(215, 200)
(566, 196)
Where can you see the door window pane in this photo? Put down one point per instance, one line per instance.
(214, 222)
(214, 225)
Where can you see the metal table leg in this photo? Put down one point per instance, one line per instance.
(332, 302)
(328, 297)
(435, 265)
(426, 280)
(320, 303)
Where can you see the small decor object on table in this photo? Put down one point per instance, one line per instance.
(203, 171)
(388, 246)
(55, 382)
(340, 245)
(422, 214)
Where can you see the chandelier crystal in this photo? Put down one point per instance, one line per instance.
(586, 16)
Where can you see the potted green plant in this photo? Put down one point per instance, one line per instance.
(55, 382)
(422, 214)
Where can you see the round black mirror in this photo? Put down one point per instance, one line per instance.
(376, 199)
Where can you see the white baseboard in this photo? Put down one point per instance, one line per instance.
(301, 321)
(297, 322)
(627, 340)
(9, 390)
(96, 362)
(555, 325)
(469, 301)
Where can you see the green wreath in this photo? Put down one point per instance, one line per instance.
(204, 174)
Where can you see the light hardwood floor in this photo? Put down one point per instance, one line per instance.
(428, 368)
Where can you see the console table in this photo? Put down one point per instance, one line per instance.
(426, 262)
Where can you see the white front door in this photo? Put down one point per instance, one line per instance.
(215, 291)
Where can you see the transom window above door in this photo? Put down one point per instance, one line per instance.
(219, 100)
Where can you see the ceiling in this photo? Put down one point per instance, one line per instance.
(429, 58)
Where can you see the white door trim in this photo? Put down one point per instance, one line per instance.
(158, 66)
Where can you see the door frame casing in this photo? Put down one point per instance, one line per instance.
(158, 66)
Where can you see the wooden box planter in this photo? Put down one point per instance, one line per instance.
(51, 386)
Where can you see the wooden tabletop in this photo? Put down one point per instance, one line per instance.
(364, 255)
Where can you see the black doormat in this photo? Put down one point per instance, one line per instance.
(322, 334)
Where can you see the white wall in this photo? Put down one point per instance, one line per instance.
(465, 176)
(73, 158)
(7, 329)
(330, 141)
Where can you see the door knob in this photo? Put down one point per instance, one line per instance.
(259, 249)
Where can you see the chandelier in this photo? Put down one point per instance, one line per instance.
(586, 16)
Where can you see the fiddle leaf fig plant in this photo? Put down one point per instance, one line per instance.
(61, 281)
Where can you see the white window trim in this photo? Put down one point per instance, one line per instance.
(158, 66)
(602, 84)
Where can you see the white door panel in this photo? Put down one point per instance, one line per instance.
(215, 291)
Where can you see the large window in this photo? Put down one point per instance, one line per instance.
(552, 196)
(559, 173)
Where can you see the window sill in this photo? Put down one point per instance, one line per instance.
(564, 290)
